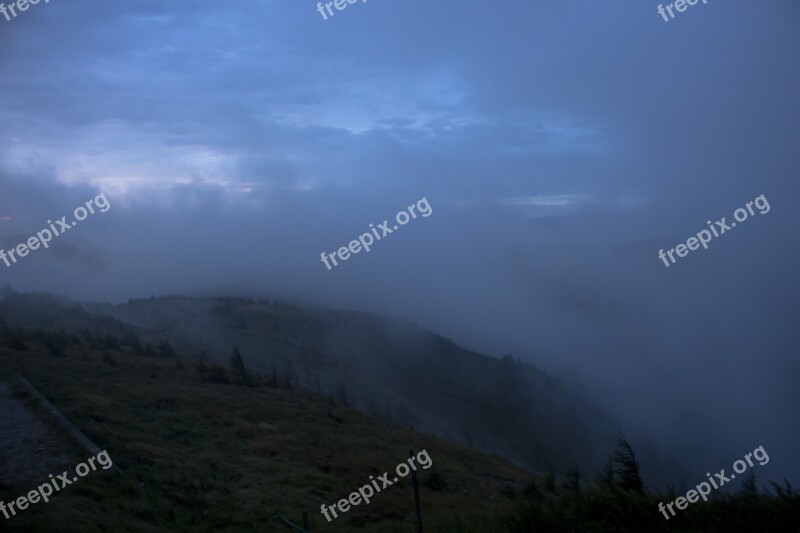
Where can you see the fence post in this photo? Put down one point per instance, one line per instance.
(416, 493)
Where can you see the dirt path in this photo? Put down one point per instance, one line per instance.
(30, 448)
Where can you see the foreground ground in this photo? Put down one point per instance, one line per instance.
(200, 456)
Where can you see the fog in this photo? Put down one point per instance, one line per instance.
(559, 146)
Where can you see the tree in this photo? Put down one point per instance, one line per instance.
(110, 343)
(165, 349)
(749, 485)
(786, 492)
(550, 480)
(572, 480)
(135, 343)
(627, 469)
(605, 477)
(273, 378)
(341, 395)
(238, 371)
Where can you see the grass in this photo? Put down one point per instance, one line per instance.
(198, 456)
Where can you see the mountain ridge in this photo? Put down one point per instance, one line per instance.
(389, 367)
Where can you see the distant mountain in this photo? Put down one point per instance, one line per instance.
(392, 368)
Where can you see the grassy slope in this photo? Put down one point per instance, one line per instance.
(200, 456)
(395, 369)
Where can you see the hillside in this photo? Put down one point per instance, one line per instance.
(388, 367)
(200, 452)
(205, 442)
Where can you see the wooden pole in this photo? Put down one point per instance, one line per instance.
(416, 494)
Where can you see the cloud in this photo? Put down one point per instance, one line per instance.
(558, 200)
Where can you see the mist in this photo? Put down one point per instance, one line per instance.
(559, 147)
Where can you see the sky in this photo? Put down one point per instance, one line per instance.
(560, 146)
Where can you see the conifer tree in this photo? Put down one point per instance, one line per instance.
(605, 477)
(749, 484)
(238, 370)
(550, 480)
(627, 469)
(572, 480)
